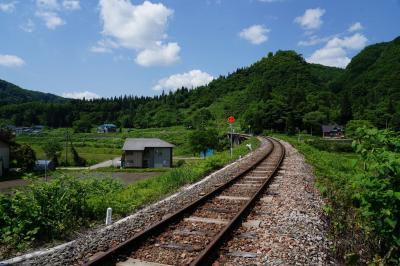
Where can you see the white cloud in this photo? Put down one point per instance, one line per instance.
(191, 79)
(141, 28)
(355, 42)
(104, 46)
(132, 26)
(355, 27)
(330, 56)
(71, 4)
(255, 34)
(48, 11)
(334, 53)
(51, 19)
(311, 19)
(11, 60)
(29, 26)
(160, 55)
(313, 40)
(8, 7)
(80, 95)
(47, 4)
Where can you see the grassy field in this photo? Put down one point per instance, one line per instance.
(96, 147)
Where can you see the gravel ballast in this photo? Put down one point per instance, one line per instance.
(93, 242)
(287, 225)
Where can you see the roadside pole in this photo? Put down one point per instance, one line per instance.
(231, 119)
(230, 125)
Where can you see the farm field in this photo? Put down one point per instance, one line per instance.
(98, 147)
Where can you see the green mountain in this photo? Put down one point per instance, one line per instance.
(10, 93)
(281, 91)
(372, 82)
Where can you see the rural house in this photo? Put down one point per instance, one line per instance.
(4, 156)
(147, 153)
(106, 128)
(332, 131)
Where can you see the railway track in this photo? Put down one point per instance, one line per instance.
(194, 234)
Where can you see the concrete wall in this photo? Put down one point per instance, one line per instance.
(162, 157)
(134, 159)
(149, 158)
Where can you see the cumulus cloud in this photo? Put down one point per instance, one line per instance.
(191, 79)
(161, 55)
(311, 19)
(8, 7)
(48, 11)
(71, 4)
(48, 4)
(255, 34)
(141, 28)
(313, 40)
(51, 19)
(80, 95)
(355, 27)
(7, 60)
(334, 53)
(104, 46)
(28, 26)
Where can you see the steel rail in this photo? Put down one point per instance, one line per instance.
(111, 256)
(208, 255)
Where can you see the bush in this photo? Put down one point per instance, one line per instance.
(51, 210)
(331, 145)
(179, 163)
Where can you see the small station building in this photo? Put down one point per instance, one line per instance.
(146, 153)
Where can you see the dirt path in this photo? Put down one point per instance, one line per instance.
(7, 185)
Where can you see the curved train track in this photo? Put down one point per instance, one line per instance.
(194, 234)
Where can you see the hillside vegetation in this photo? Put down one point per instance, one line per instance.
(12, 94)
(281, 92)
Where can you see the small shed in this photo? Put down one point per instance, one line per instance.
(332, 131)
(4, 156)
(147, 153)
(107, 128)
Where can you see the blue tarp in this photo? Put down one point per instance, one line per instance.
(207, 153)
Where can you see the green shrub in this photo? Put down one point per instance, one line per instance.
(331, 145)
(51, 210)
(179, 163)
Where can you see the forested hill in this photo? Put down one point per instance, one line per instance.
(12, 94)
(281, 91)
(372, 84)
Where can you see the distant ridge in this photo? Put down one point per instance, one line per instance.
(12, 94)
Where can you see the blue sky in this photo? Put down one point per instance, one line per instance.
(109, 48)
